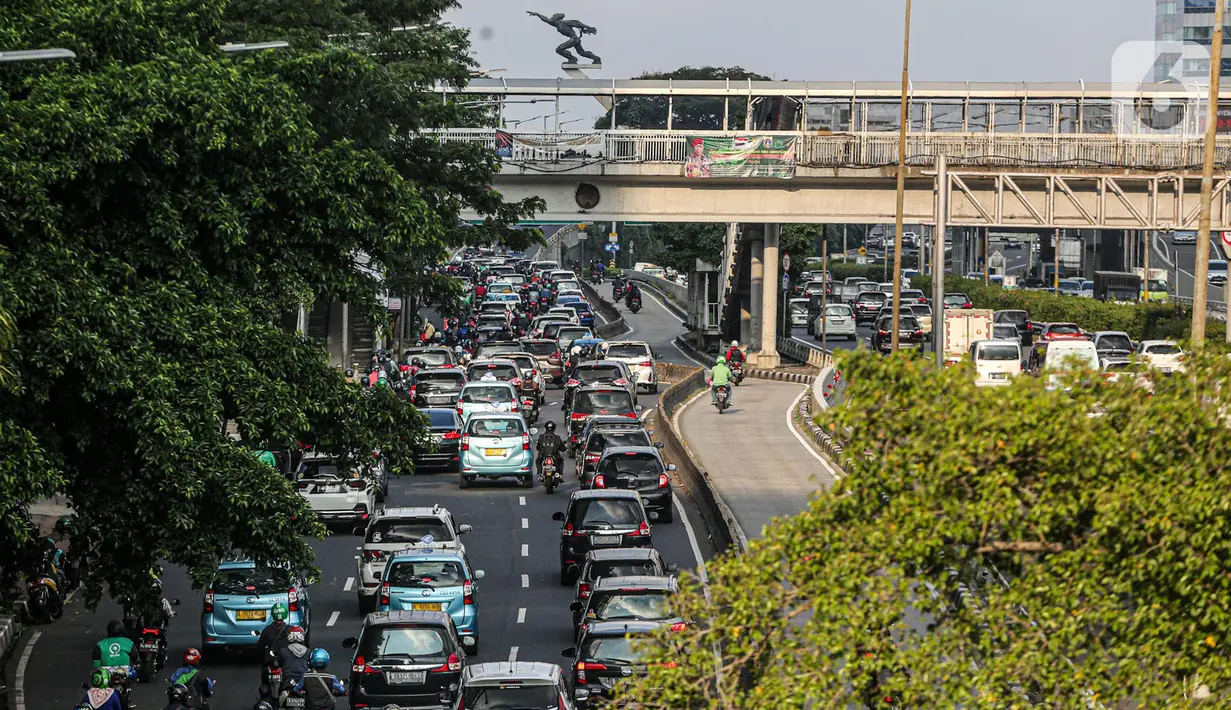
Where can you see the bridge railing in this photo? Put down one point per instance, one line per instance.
(860, 149)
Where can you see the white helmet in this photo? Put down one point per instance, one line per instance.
(576, 350)
(735, 343)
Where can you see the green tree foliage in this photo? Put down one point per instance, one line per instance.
(162, 204)
(987, 546)
(689, 113)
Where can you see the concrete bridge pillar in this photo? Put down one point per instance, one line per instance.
(767, 355)
(337, 339)
(756, 249)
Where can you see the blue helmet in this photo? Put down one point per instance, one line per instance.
(320, 658)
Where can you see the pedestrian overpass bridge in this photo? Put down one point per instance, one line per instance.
(1017, 155)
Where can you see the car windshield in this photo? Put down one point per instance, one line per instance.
(637, 464)
(649, 605)
(539, 347)
(838, 311)
(441, 418)
(603, 402)
(628, 351)
(252, 580)
(487, 395)
(512, 695)
(622, 568)
(496, 428)
(904, 323)
(440, 382)
(616, 650)
(500, 372)
(999, 353)
(1166, 349)
(1064, 329)
(426, 574)
(409, 530)
(1115, 342)
(607, 513)
(418, 644)
(597, 373)
(431, 358)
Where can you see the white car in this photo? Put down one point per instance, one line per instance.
(997, 362)
(568, 313)
(639, 358)
(336, 492)
(391, 530)
(838, 321)
(486, 397)
(799, 311)
(1163, 355)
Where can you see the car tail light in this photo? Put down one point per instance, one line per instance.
(918, 333)
(577, 416)
(558, 355)
(679, 626)
(663, 481)
(209, 601)
(466, 443)
(525, 442)
(515, 406)
(883, 333)
(384, 593)
(622, 382)
(593, 458)
(362, 510)
(600, 481)
(292, 599)
(582, 667)
(968, 304)
(361, 666)
(646, 363)
(356, 484)
(570, 531)
(459, 406)
(468, 593)
(372, 555)
(583, 590)
(631, 415)
(453, 665)
(573, 383)
(643, 529)
(516, 382)
(451, 435)
(447, 366)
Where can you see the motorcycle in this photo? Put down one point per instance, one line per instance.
(617, 292)
(271, 678)
(151, 653)
(634, 304)
(596, 278)
(549, 474)
(737, 373)
(723, 398)
(44, 602)
(530, 409)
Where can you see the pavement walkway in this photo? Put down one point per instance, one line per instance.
(754, 459)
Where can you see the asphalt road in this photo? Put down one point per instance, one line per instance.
(523, 609)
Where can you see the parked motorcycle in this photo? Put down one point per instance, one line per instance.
(723, 398)
(549, 474)
(44, 601)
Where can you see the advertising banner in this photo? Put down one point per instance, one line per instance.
(535, 145)
(741, 157)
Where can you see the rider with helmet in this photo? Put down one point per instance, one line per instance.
(318, 685)
(116, 650)
(100, 695)
(293, 658)
(177, 698)
(734, 356)
(197, 687)
(720, 376)
(549, 444)
(276, 636)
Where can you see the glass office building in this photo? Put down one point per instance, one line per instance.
(1187, 21)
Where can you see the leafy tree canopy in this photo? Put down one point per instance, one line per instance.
(989, 548)
(680, 245)
(162, 204)
(690, 113)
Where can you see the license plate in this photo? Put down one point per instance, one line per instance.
(1166, 370)
(250, 615)
(425, 606)
(494, 452)
(999, 375)
(149, 646)
(295, 702)
(605, 539)
(411, 678)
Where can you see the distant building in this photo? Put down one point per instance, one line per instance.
(1187, 21)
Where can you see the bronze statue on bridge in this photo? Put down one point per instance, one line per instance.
(573, 29)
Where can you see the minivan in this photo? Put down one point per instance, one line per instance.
(996, 362)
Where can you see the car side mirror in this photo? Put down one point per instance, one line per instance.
(574, 568)
(659, 444)
(569, 652)
(670, 467)
(558, 516)
(581, 695)
(672, 568)
(479, 574)
(468, 641)
(350, 642)
(463, 529)
(359, 530)
(638, 408)
(575, 606)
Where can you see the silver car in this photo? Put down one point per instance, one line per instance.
(838, 321)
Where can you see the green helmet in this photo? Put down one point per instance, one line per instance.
(722, 360)
(279, 612)
(100, 678)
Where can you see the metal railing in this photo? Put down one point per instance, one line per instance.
(1094, 152)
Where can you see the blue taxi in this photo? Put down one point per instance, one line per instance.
(416, 579)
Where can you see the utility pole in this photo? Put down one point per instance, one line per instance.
(1055, 275)
(825, 291)
(1145, 282)
(1201, 273)
(843, 243)
(987, 255)
(938, 259)
(897, 237)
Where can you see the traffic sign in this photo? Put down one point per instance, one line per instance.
(786, 262)
(613, 237)
(1226, 238)
(863, 251)
(786, 282)
(612, 247)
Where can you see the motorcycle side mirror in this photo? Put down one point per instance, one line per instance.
(581, 695)
(638, 407)
(653, 515)
(350, 642)
(574, 568)
(673, 568)
(670, 467)
(468, 641)
(464, 528)
(534, 431)
(558, 516)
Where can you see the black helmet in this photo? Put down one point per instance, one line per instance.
(115, 628)
(62, 525)
(549, 426)
(350, 372)
(177, 693)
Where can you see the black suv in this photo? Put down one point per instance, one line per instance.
(620, 562)
(445, 428)
(606, 654)
(867, 305)
(910, 335)
(639, 598)
(640, 469)
(406, 658)
(599, 519)
(598, 400)
(595, 440)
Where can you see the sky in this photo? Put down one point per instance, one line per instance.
(818, 40)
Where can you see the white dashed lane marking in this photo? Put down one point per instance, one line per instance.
(350, 583)
(521, 616)
(525, 550)
(333, 618)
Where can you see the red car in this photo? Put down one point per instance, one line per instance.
(1062, 331)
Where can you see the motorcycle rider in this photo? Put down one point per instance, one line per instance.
(549, 444)
(318, 685)
(293, 658)
(276, 636)
(632, 292)
(735, 356)
(101, 696)
(177, 698)
(720, 376)
(116, 650)
(574, 359)
(199, 688)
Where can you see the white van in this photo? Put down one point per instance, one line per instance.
(1062, 356)
(997, 362)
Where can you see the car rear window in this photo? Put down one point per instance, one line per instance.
(649, 605)
(539, 347)
(501, 372)
(628, 351)
(838, 311)
(442, 418)
(553, 328)
(573, 333)
(1163, 350)
(1008, 331)
(921, 310)
(491, 349)
(622, 568)
(1115, 342)
(1064, 329)
(603, 402)
(597, 373)
(416, 644)
(580, 307)
(606, 513)
(598, 442)
(252, 580)
(495, 428)
(511, 694)
(955, 298)
(321, 468)
(999, 353)
(634, 463)
(440, 380)
(493, 307)
(492, 321)
(525, 362)
(616, 650)
(432, 357)
(487, 395)
(408, 530)
(1014, 317)
(426, 574)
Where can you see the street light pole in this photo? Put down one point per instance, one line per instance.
(901, 205)
(1201, 273)
(825, 295)
(37, 55)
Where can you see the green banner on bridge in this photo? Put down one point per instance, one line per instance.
(741, 157)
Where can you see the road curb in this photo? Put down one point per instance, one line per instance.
(615, 325)
(777, 376)
(827, 381)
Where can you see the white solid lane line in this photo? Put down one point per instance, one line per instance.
(790, 423)
(350, 583)
(333, 618)
(521, 615)
(525, 581)
(513, 655)
(692, 541)
(525, 550)
(525, 523)
(19, 693)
